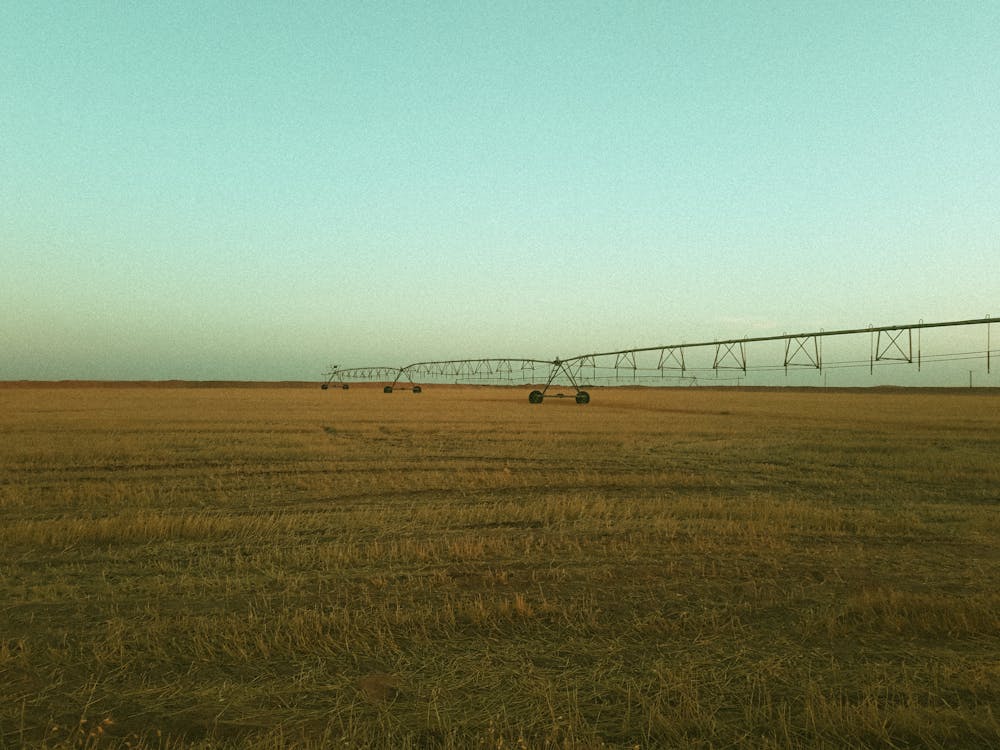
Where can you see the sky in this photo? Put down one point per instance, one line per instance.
(254, 191)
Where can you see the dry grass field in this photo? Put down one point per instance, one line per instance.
(270, 568)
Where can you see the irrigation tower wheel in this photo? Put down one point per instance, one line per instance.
(582, 397)
(535, 397)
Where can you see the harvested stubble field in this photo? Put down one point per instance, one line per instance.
(266, 568)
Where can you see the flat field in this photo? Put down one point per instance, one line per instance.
(288, 567)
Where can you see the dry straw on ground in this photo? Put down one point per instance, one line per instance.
(264, 568)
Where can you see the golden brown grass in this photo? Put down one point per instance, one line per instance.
(265, 568)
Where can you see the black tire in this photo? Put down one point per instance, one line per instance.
(535, 397)
(387, 389)
(582, 397)
(416, 389)
(345, 386)
(325, 386)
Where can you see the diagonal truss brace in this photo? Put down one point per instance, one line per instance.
(892, 347)
(671, 358)
(625, 361)
(730, 355)
(799, 352)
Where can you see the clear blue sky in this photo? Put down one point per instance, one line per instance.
(256, 190)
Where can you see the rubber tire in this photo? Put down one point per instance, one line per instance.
(535, 397)
(387, 389)
(416, 389)
(325, 386)
(582, 397)
(346, 386)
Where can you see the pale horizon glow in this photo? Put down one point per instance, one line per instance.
(228, 192)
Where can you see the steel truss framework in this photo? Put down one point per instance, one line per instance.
(888, 344)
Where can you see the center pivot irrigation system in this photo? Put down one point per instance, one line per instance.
(887, 345)
(482, 370)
